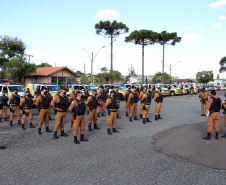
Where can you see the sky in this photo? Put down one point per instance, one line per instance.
(58, 31)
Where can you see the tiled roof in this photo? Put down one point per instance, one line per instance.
(46, 71)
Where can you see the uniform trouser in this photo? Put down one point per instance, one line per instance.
(28, 112)
(127, 106)
(79, 122)
(49, 111)
(111, 120)
(87, 107)
(60, 120)
(44, 114)
(101, 107)
(141, 108)
(203, 106)
(158, 108)
(133, 110)
(92, 117)
(17, 109)
(192, 91)
(3, 110)
(214, 118)
(169, 92)
(146, 112)
(118, 107)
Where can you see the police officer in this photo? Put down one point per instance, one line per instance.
(158, 101)
(169, 89)
(4, 101)
(203, 99)
(192, 90)
(133, 99)
(50, 98)
(107, 91)
(153, 90)
(14, 102)
(212, 111)
(126, 96)
(60, 103)
(146, 99)
(38, 91)
(85, 98)
(141, 103)
(101, 96)
(43, 102)
(78, 109)
(27, 103)
(28, 91)
(73, 96)
(112, 106)
(117, 97)
(93, 103)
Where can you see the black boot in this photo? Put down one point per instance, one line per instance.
(98, 115)
(47, 129)
(102, 114)
(202, 114)
(82, 138)
(63, 133)
(156, 117)
(31, 125)
(11, 123)
(90, 128)
(109, 131)
(96, 127)
(55, 135)
(148, 120)
(224, 136)
(39, 131)
(0, 119)
(144, 120)
(23, 127)
(159, 117)
(19, 123)
(76, 140)
(50, 118)
(217, 135)
(2, 147)
(5, 118)
(130, 119)
(127, 115)
(208, 137)
(135, 118)
(114, 130)
(118, 117)
(141, 115)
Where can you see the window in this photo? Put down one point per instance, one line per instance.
(5, 89)
(70, 80)
(54, 80)
(0, 88)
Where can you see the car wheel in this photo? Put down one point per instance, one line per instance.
(172, 93)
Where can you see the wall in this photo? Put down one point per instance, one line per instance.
(36, 79)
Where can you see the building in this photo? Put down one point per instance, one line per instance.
(218, 82)
(58, 75)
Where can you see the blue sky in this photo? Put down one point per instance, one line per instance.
(56, 31)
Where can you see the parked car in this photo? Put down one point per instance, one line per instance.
(218, 88)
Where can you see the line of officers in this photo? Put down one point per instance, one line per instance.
(80, 103)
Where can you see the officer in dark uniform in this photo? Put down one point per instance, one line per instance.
(146, 100)
(85, 98)
(27, 103)
(38, 91)
(169, 89)
(112, 106)
(60, 103)
(118, 98)
(4, 101)
(43, 102)
(158, 101)
(101, 96)
(107, 91)
(14, 102)
(213, 113)
(133, 99)
(78, 109)
(126, 96)
(73, 96)
(50, 98)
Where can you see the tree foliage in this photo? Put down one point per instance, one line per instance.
(204, 76)
(157, 78)
(85, 79)
(44, 65)
(223, 65)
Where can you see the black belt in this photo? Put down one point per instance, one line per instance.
(27, 108)
(60, 111)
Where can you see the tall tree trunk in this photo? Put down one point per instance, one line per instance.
(163, 63)
(112, 57)
(142, 63)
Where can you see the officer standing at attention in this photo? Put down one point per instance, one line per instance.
(27, 103)
(73, 96)
(169, 89)
(203, 99)
(153, 90)
(37, 91)
(133, 99)
(141, 103)
(60, 103)
(93, 103)
(44, 103)
(101, 96)
(192, 90)
(4, 100)
(107, 91)
(146, 99)
(14, 102)
(85, 98)
(112, 107)
(127, 93)
(158, 101)
(50, 98)
(78, 109)
(213, 109)
(117, 97)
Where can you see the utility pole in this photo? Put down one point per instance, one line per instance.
(29, 57)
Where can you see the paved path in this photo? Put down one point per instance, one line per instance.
(124, 158)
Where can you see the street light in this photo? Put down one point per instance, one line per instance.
(92, 59)
(173, 66)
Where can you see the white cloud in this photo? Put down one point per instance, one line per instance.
(217, 4)
(217, 26)
(222, 17)
(190, 37)
(107, 14)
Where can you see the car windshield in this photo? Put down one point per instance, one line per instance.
(90, 87)
(164, 86)
(19, 88)
(53, 87)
